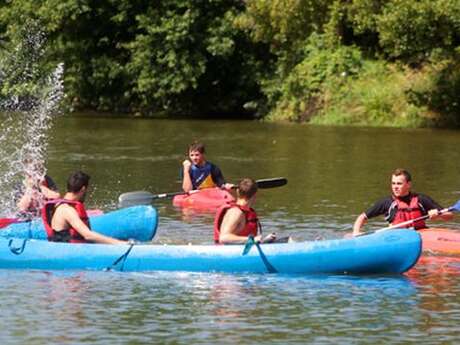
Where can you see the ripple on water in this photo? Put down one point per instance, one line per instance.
(101, 307)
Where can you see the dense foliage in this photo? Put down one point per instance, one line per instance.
(365, 62)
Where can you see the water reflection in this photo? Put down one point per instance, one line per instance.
(333, 173)
(437, 278)
(199, 307)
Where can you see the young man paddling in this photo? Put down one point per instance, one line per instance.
(235, 222)
(403, 205)
(66, 219)
(198, 173)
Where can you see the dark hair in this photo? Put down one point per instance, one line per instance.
(196, 146)
(247, 187)
(76, 181)
(404, 172)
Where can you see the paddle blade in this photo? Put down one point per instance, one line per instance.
(271, 182)
(4, 222)
(249, 243)
(135, 198)
(456, 207)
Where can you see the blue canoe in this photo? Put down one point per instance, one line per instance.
(137, 222)
(387, 252)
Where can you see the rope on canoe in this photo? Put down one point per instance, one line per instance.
(121, 259)
(17, 250)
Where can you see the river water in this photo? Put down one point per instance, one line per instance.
(334, 173)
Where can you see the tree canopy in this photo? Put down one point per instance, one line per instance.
(298, 60)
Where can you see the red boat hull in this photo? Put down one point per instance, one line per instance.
(205, 199)
(440, 241)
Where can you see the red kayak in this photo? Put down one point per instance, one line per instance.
(441, 241)
(208, 199)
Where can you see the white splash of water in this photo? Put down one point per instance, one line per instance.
(26, 117)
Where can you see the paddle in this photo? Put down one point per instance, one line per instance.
(145, 198)
(251, 242)
(4, 222)
(453, 208)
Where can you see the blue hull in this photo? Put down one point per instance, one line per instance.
(388, 252)
(138, 222)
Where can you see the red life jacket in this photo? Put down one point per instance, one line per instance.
(70, 235)
(401, 212)
(252, 222)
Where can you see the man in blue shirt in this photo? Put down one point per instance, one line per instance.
(198, 173)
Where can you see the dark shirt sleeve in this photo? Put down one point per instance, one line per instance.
(217, 175)
(428, 203)
(381, 207)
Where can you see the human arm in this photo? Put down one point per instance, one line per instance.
(434, 210)
(70, 216)
(443, 214)
(25, 193)
(381, 207)
(218, 178)
(187, 184)
(359, 223)
(49, 188)
(233, 221)
(48, 193)
(24, 202)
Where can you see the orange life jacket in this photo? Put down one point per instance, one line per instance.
(401, 212)
(70, 235)
(252, 226)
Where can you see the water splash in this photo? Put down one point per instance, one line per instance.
(30, 98)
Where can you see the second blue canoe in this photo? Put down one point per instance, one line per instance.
(137, 222)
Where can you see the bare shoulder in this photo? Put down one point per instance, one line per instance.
(66, 210)
(234, 212)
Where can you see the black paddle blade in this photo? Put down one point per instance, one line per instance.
(135, 198)
(271, 182)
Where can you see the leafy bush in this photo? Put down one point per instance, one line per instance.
(299, 96)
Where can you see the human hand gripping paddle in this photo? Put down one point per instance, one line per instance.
(144, 197)
(453, 208)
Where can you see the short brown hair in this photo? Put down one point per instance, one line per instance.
(247, 187)
(404, 172)
(196, 146)
(76, 181)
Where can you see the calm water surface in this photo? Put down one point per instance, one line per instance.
(333, 173)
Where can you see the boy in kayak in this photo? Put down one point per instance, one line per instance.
(235, 222)
(198, 173)
(66, 220)
(403, 205)
(32, 194)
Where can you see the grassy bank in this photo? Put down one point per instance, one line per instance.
(381, 94)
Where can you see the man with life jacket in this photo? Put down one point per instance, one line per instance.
(403, 205)
(236, 221)
(198, 173)
(66, 220)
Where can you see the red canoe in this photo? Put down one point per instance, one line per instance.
(208, 199)
(441, 241)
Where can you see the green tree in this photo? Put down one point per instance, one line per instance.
(139, 55)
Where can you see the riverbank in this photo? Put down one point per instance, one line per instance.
(380, 95)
